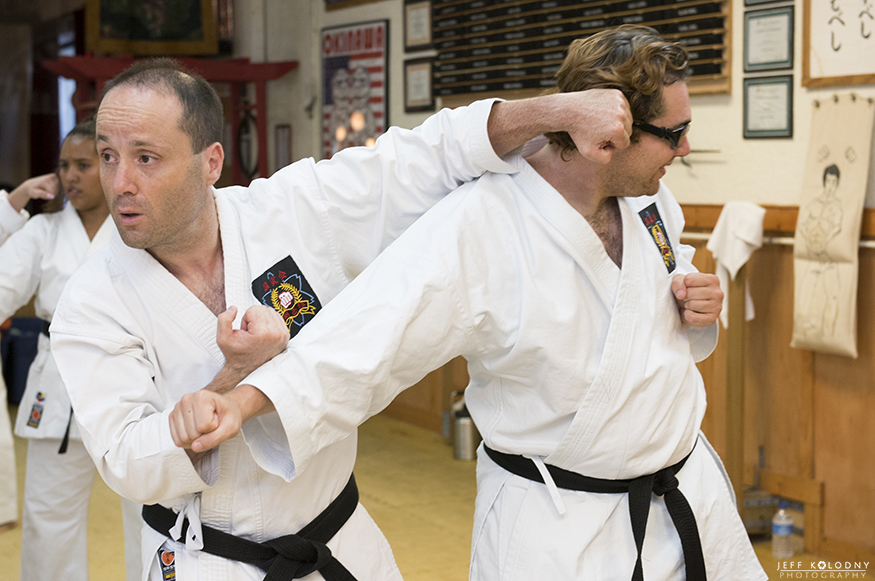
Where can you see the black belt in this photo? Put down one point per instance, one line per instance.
(663, 483)
(66, 439)
(283, 558)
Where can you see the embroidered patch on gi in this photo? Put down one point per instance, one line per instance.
(36, 412)
(653, 223)
(168, 564)
(284, 288)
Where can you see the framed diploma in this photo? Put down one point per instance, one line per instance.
(417, 25)
(418, 94)
(768, 107)
(768, 39)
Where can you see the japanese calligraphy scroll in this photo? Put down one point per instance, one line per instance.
(826, 254)
(838, 43)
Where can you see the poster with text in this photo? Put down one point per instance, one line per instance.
(355, 78)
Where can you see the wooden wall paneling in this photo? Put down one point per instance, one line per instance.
(844, 428)
(780, 376)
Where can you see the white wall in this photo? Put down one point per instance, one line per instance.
(766, 171)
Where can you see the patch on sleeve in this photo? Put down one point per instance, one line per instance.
(168, 564)
(284, 288)
(36, 412)
(653, 222)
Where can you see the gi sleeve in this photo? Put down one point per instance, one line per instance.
(703, 340)
(10, 219)
(21, 272)
(372, 195)
(404, 316)
(122, 416)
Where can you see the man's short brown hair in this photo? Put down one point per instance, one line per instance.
(633, 59)
(201, 117)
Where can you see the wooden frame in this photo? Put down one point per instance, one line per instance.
(111, 27)
(417, 25)
(339, 4)
(819, 37)
(768, 39)
(418, 93)
(768, 107)
(355, 84)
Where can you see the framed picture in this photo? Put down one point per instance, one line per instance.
(768, 107)
(282, 134)
(418, 95)
(837, 45)
(768, 39)
(338, 4)
(181, 27)
(355, 85)
(417, 25)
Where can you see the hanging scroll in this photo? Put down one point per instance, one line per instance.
(491, 47)
(826, 254)
(838, 43)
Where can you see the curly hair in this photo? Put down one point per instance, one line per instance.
(633, 59)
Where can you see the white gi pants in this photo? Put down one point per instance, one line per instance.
(57, 491)
(8, 482)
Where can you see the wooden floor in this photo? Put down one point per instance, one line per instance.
(421, 498)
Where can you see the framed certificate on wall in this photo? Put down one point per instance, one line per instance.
(768, 39)
(768, 107)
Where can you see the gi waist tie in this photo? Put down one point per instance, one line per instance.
(663, 483)
(66, 440)
(287, 557)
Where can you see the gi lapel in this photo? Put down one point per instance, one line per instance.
(619, 360)
(163, 288)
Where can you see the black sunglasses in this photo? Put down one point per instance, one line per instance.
(674, 136)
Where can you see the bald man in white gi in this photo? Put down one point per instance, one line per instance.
(581, 317)
(137, 326)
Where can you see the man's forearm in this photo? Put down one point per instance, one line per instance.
(227, 379)
(596, 119)
(251, 401)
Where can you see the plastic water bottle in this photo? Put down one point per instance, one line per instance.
(782, 533)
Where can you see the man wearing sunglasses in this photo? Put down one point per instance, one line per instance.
(581, 316)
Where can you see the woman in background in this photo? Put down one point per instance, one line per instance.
(37, 261)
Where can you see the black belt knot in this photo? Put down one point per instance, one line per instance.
(283, 558)
(640, 490)
(296, 557)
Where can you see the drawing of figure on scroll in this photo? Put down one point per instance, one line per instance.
(821, 221)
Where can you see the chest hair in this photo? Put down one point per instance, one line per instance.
(209, 289)
(608, 224)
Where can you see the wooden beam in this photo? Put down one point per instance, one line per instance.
(792, 487)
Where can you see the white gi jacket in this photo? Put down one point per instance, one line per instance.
(10, 219)
(38, 260)
(130, 339)
(571, 359)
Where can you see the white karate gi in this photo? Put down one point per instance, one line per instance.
(130, 340)
(37, 261)
(571, 359)
(10, 221)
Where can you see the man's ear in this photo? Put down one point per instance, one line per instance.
(214, 160)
